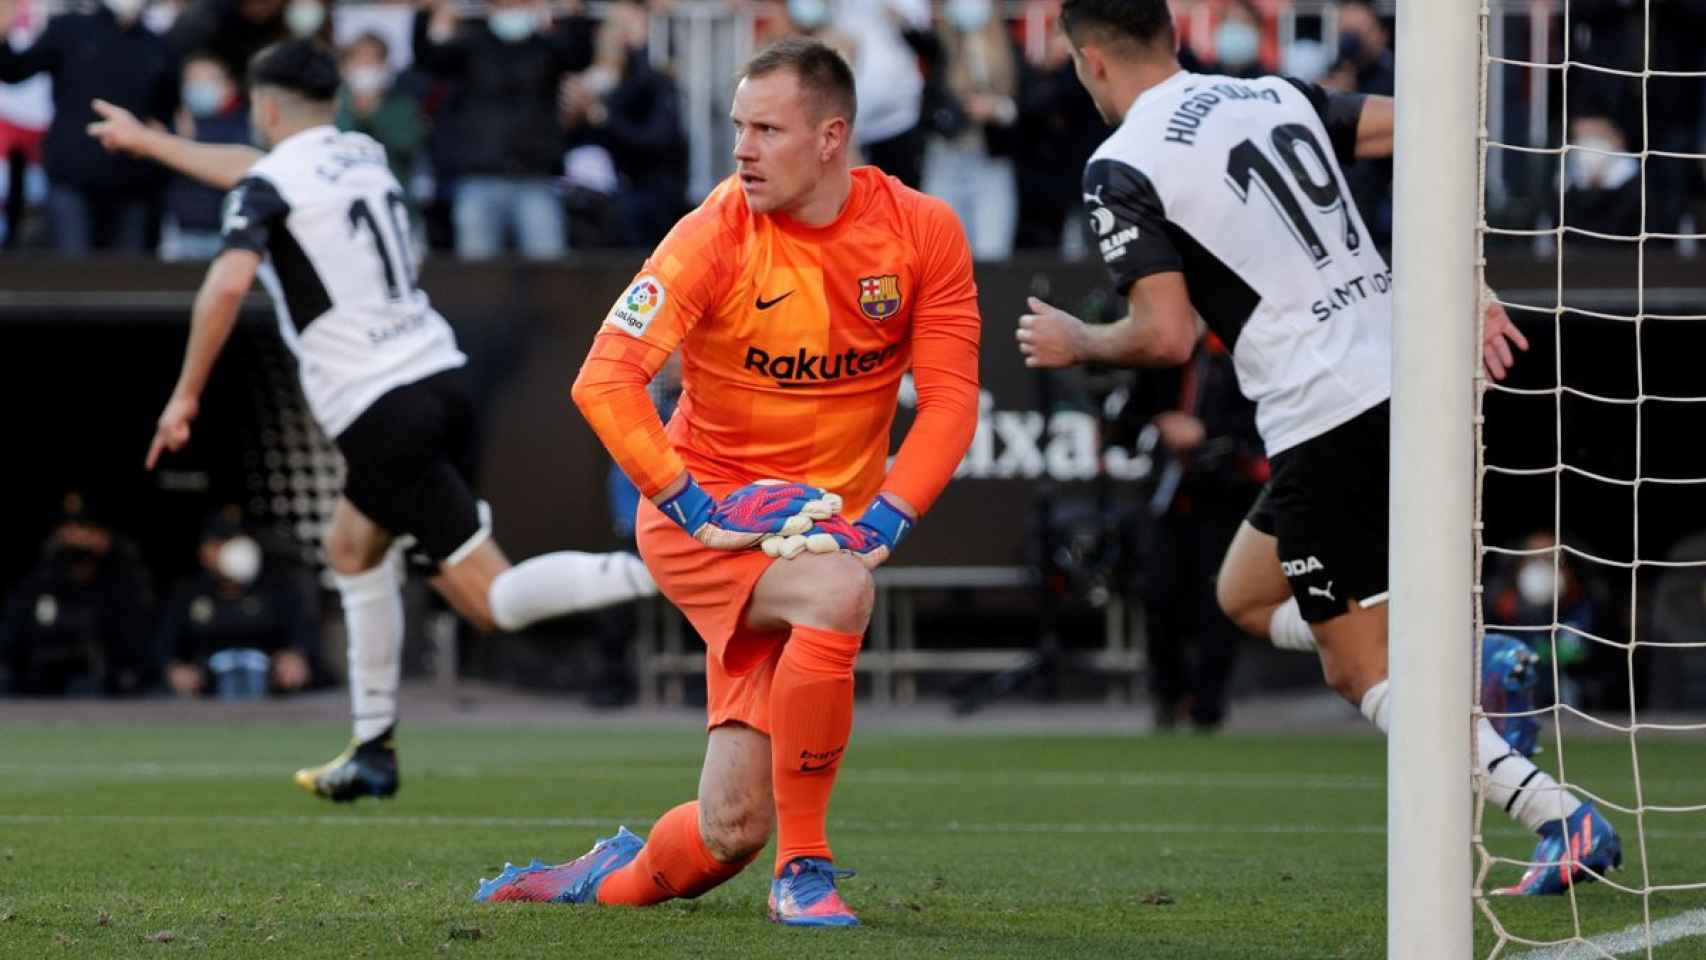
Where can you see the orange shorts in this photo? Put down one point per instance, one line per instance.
(712, 589)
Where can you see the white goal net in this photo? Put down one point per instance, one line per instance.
(1589, 494)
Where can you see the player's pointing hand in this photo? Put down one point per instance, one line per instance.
(1049, 337)
(173, 430)
(118, 129)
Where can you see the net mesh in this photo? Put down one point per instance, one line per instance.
(1577, 474)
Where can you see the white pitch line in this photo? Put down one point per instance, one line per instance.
(853, 826)
(1629, 940)
(850, 825)
(152, 770)
(1139, 779)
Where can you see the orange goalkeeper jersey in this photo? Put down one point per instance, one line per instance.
(793, 343)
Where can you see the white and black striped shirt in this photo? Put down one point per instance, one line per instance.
(1237, 184)
(331, 220)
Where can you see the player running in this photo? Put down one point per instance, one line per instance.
(1224, 198)
(800, 292)
(323, 223)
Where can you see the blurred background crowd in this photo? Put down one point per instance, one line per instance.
(536, 130)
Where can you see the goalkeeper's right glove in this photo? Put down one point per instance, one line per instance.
(748, 515)
(872, 538)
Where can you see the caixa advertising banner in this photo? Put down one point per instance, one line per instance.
(525, 329)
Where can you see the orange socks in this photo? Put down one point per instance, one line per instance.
(811, 716)
(673, 863)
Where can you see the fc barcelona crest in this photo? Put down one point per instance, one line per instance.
(879, 297)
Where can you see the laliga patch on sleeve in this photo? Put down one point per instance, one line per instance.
(638, 307)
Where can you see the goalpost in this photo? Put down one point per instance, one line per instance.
(1436, 266)
(1439, 863)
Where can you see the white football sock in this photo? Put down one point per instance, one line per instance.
(1526, 792)
(565, 582)
(1376, 706)
(373, 617)
(1288, 630)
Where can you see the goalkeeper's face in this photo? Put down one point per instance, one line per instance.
(783, 149)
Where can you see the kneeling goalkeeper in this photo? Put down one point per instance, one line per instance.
(799, 293)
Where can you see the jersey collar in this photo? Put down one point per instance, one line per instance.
(1160, 90)
(304, 136)
(849, 212)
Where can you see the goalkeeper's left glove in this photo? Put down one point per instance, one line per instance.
(872, 538)
(748, 515)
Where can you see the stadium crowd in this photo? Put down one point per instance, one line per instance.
(537, 128)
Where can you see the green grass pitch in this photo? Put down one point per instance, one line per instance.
(113, 838)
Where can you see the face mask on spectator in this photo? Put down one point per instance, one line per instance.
(1236, 44)
(513, 25)
(808, 14)
(205, 99)
(239, 560)
(367, 81)
(1595, 165)
(304, 17)
(969, 16)
(126, 10)
(1351, 47)
(1535, 582)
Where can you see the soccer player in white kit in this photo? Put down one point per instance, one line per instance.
(323, 223)
(1224, 198)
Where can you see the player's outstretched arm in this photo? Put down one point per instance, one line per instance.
(216, 305)
(1160, 330)
(1375, 127)
(219, 165)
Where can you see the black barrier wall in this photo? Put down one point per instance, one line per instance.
(90, 352)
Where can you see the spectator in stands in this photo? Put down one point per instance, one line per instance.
(239, 625)
(506, 71)
(969, 162)
(1237, 41)
(632, 111)
(26, 110)
(78, 623)
(889, 87)
(1365, 62)
(1058, 129)
(1524, 592)
(1618, 35)
(213, 112)
(95, 198)
(1365, 66)
(370, 103)
(308, 18)
(1603, 185)
(1211, 468)
(232, 30)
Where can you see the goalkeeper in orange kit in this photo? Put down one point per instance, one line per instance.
(799, 294)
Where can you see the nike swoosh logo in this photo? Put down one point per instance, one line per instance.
(764, 304)
(807, 768)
